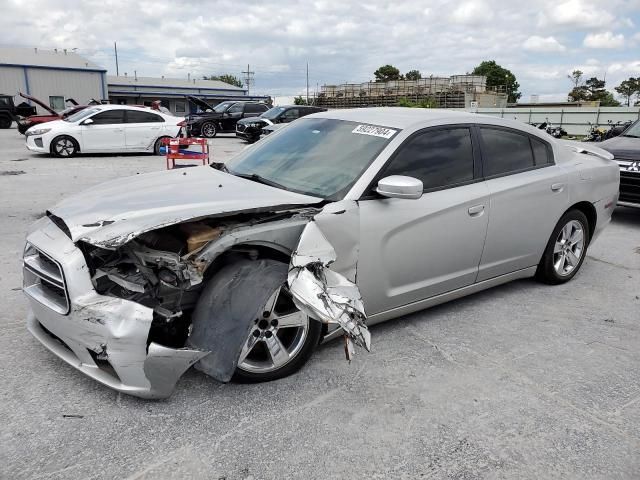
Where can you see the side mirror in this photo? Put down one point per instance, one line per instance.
(399, 186)
(88, 121)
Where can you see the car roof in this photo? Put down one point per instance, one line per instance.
(398, 117)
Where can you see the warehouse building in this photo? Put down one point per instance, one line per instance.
(52, 76)
(173, 92)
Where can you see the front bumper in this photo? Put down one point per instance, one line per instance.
(37, 143)
(103, 337)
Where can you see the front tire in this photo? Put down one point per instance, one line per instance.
(565, 250)
(280, 339)
(209, 130)
(64, 147)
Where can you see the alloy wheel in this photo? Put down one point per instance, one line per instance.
(65, 147)
(568, 248)
(276, 337)
(209, 130)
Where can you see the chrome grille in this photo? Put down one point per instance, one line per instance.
(43, 280)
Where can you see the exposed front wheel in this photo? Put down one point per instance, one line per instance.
(209, 130)
(64, 147)
(566, 249)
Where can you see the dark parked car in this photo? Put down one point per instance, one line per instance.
(626, 151)
(9, 112)
(221, 118)
(251, 128)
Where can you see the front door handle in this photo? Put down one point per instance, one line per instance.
(557, 187)
(476, 210)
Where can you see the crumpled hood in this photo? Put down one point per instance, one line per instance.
(624, 147)
(110, 214)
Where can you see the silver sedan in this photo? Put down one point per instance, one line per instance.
(339, 221)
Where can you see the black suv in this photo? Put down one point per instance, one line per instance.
(10, 113)
(251, 128)
(221, 118)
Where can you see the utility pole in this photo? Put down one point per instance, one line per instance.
(307, 83)
(247, 79)
(115, 47)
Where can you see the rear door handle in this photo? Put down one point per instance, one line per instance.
(557, 187)
(476, 210)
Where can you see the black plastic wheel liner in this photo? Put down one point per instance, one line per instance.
(227, 309)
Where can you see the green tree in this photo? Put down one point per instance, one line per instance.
(628, 88)
(413, 75)
(576, 78)
(593, 90)
(387, 73)
(299, 100)
(226, 78)
(498, 76)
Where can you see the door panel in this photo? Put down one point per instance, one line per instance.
(105, 134)
(141, 129)
(523, 211)
(414, 249)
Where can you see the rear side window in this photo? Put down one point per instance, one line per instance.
(134, 116)
(541, 152)
(254, 108)
(439, 158)
(108, 117)
(504, 151)
(235, 108)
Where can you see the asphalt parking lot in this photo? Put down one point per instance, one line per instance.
(521, 381)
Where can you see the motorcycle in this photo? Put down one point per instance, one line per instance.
(616, 129)
(595, 133)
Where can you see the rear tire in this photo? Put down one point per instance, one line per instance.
(565, 250)
(5, 122)
(157, 145)
(64, 147)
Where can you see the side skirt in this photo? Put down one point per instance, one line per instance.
(438, 299)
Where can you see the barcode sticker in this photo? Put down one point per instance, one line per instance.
(374, 131)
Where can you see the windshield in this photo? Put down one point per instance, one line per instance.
(321, 157)
(272, 113)
(632, 131)
(221, 107)
(76, 117)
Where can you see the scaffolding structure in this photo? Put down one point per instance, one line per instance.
(457, 91)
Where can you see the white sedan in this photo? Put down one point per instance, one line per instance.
(104, 129)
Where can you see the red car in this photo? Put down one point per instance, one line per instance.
(32, 120)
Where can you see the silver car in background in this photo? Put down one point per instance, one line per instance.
(341, 220)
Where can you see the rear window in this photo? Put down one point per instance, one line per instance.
(134, 116)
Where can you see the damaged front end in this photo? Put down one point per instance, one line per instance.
(130, 325)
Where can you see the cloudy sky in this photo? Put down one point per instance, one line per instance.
(540, 41)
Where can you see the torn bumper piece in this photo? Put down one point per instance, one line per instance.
(324, 294)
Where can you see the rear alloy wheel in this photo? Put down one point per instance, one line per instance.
(64, 147)
(208, 130)
(566, 249)
(159, 143)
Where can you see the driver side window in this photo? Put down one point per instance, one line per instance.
(108, 117)
(237, 108)
(439, 157)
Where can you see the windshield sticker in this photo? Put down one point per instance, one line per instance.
(375, 131)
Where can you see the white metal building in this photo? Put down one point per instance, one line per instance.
(172, 92)
(52, 76)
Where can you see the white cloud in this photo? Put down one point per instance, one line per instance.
(472, 12)
(543, 44)
(579, 13)
(603, 40)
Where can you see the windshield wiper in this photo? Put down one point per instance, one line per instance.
(257, 178)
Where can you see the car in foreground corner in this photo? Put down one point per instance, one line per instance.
(104, 129)
(626, 151)
(250, 129)
(341, 220)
